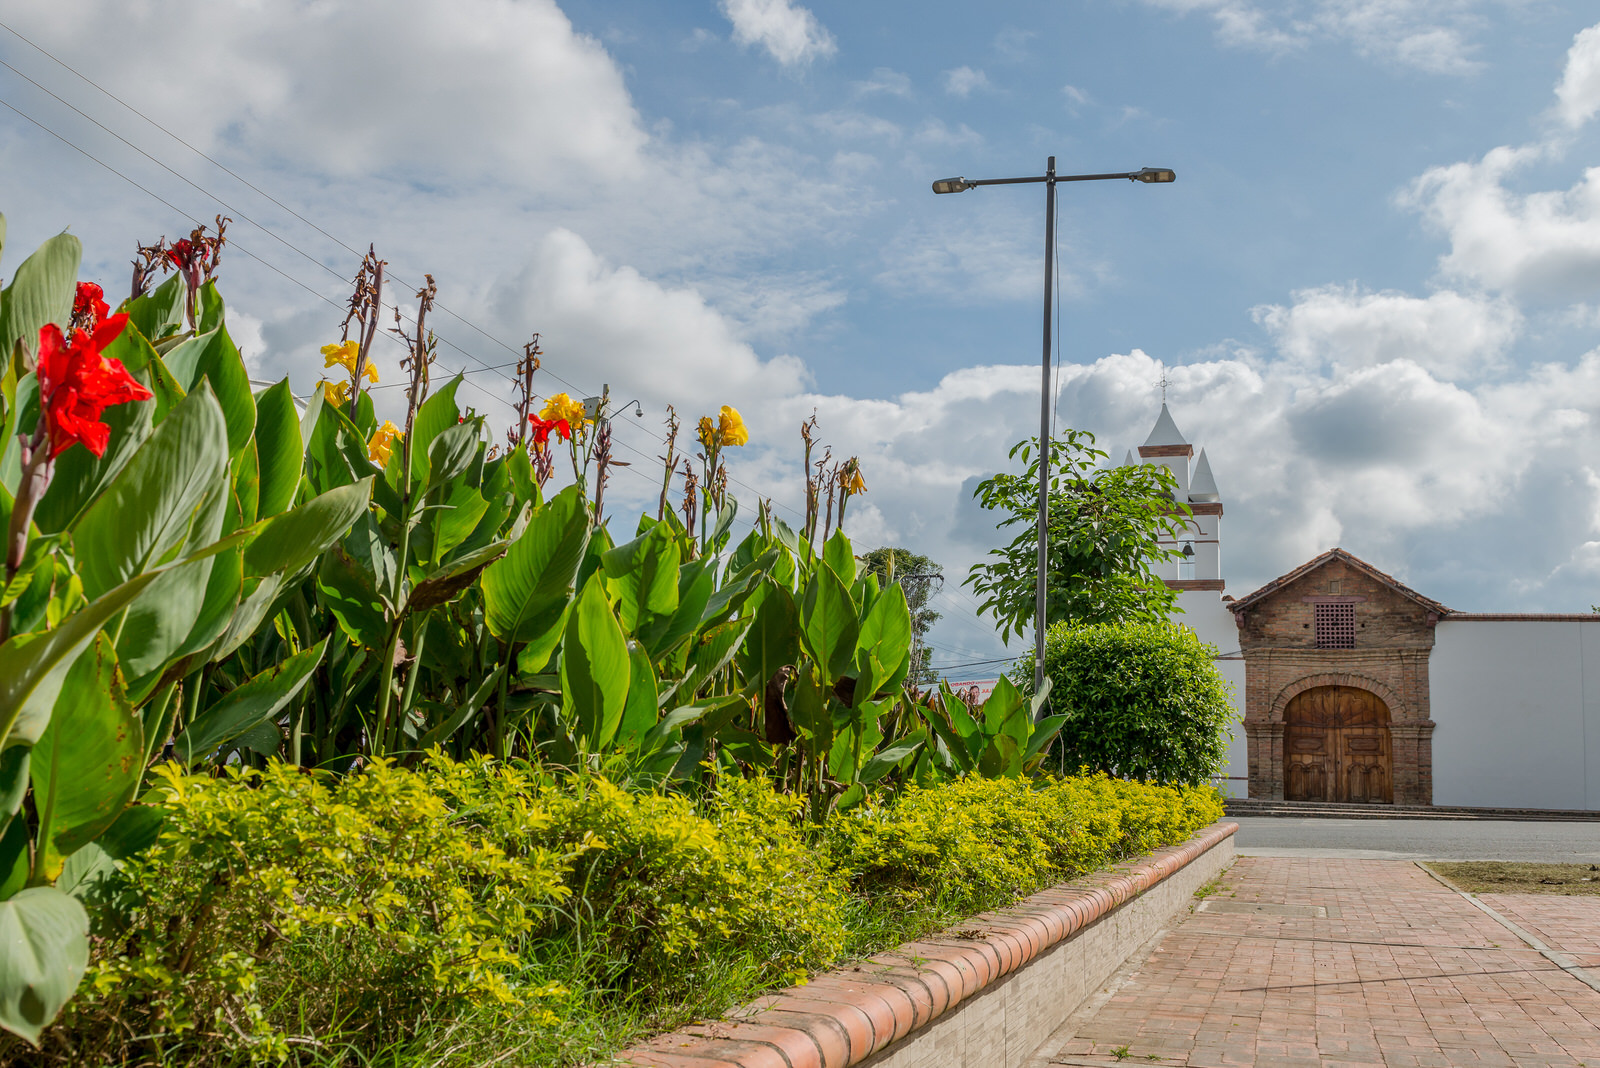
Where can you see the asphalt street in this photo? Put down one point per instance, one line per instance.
(1546, 843)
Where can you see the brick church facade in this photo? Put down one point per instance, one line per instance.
(1353, 687)
(1336, 704)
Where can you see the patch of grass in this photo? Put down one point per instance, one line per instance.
(1512, 877)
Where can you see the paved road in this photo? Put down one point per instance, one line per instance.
(1330, 963)
(1550, 843)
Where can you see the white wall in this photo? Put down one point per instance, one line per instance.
(1206, 615)
(1517, 708)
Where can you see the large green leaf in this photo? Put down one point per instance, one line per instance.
(643, 575)
(79, 474)
(526, 591)
(774, 639)
(436, 415)
(448, 524)
(1006, 713)
(86, 766)
(280, 451)
(13, 780)
(33, 666)
(450, 453)
(212, 356)
(595, 672)
(161, 619)
(147, 509)
(883, 648)
(348, 590)
(838, 555)
(44, 951)
(889, 757)
(828, 622)
(643, 706)
(247, 706)
(697, 581)
(160, 311)
(40, 292)
(465, 714)
(447, 582)
(293, 539)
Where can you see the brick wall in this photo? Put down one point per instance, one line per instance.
(1393, 639)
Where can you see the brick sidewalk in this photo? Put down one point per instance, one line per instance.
(1314, 963)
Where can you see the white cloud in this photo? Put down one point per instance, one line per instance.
(790, 34)
(1543, 246)
(1579, 91)
(885, 80)
(1430, 35)
(1452, 335)
(963, 81)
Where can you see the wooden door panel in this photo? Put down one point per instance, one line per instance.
(1336, 746)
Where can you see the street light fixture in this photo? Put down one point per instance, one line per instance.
(1147, 175)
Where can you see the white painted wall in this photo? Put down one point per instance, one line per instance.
(1206, 615)
(1517, 708)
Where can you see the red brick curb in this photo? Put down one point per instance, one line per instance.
(842, 1018)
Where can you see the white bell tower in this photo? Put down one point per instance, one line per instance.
(1200, 543)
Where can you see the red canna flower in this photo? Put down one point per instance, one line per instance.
(543, 427)
(89, 307)
(77, 384)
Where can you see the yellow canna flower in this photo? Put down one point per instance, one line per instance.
(382, 443)
(853, 482)
(730, 428)
(345, 354)
(335, 393)
(561, 406)
(708, 432)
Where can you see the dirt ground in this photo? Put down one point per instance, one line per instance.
(1511, 877)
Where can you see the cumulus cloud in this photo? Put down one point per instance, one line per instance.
(964, 81)
(1579, 91)
(1542, 245)
(790, 34)
(1450, 334)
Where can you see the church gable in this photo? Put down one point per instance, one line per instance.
(1336, 602)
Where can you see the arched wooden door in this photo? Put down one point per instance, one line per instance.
(1336, 746)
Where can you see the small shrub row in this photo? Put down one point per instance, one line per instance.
(286, 916)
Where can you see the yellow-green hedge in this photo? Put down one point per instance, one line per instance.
(280, 905)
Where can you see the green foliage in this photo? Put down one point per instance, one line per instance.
(360, 900)
(1104, 532)
(984, 840)
(280, 912)
(1140, 700)
(921, 578)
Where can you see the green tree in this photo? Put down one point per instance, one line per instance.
(920, 577)
(1141, 700)
(1105, 528)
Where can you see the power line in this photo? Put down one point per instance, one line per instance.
(484, 366)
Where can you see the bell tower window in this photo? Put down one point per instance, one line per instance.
(1336, 626)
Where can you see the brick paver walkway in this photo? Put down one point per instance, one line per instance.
(1352, 963)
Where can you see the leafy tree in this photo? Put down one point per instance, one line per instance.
(1105, 529)
(1141, 701)
(920, 577)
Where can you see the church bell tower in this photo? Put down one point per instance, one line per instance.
(1201, 565)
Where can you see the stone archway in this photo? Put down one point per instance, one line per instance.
(1336, 746)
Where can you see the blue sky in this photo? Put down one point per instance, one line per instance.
(1375, 285)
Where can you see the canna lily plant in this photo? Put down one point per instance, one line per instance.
(153, 507)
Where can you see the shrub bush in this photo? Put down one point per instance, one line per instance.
(456, 912)
(980, 841)
(1143, 701)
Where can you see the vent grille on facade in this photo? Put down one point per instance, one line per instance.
(1336, 626)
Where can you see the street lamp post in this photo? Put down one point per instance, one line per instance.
(1149, 175)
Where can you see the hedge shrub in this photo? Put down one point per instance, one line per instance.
(1143, 700)
(285, 915)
